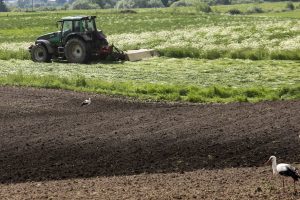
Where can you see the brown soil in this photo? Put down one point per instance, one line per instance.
(51, 147)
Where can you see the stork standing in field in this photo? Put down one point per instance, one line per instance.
(284, 170)
(86, 102)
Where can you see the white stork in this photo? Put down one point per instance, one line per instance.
(86, 102)
(284, 170)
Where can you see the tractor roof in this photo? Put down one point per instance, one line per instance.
(76, 18)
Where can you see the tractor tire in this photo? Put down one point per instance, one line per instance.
(39, 53)
(76, 51)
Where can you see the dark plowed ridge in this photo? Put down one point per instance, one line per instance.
(46, 135)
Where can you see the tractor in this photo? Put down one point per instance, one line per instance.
(78, 41)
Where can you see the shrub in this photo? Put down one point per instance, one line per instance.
(3, 7)
(251, 93)
(202, 7)
(125, 4)
(183, 92)
(128, 11)
(47, 8)
(254, 9)
(155, 4)
(180, 4)
(83, 5)
(290, 6)
(234, 11)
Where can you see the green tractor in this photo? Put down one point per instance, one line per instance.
(78, 41)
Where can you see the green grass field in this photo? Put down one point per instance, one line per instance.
(204, 57)
(272, 7)
(179, 33)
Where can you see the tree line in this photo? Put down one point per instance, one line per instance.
(119, 4)
(3, 7)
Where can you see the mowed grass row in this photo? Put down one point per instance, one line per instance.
(180, 33)
(191, 80)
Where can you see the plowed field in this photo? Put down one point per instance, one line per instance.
(51, 147)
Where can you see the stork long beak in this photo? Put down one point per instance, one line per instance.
(267, 161)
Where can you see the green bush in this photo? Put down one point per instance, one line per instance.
(155, 4)
(254, 9)
(234, 11)
(128, 11)
(181, 3)
(251, 93)
(125, 4)
(84, 5)
(290, 6)
(3, 7)
(202, 7)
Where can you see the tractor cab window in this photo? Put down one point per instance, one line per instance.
(67, 27)
(78, 26)
(89, 25)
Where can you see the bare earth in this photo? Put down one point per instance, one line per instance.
(52, 148)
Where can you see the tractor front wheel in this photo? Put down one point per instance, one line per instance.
(76, 51)
(39, 53)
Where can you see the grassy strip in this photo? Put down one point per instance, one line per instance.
(247, 53)
(170, 71)
(20, 54)
(251, 54)
(154, 91)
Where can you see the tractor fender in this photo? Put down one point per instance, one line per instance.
(86, 38)
(47, 44)
(75, 35)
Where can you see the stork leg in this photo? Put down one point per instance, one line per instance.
(283, 183)
(295, 187)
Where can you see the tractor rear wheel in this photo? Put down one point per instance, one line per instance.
(76, 51)
(39, 53)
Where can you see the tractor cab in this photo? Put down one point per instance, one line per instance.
(77, 24)
(83, 26)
